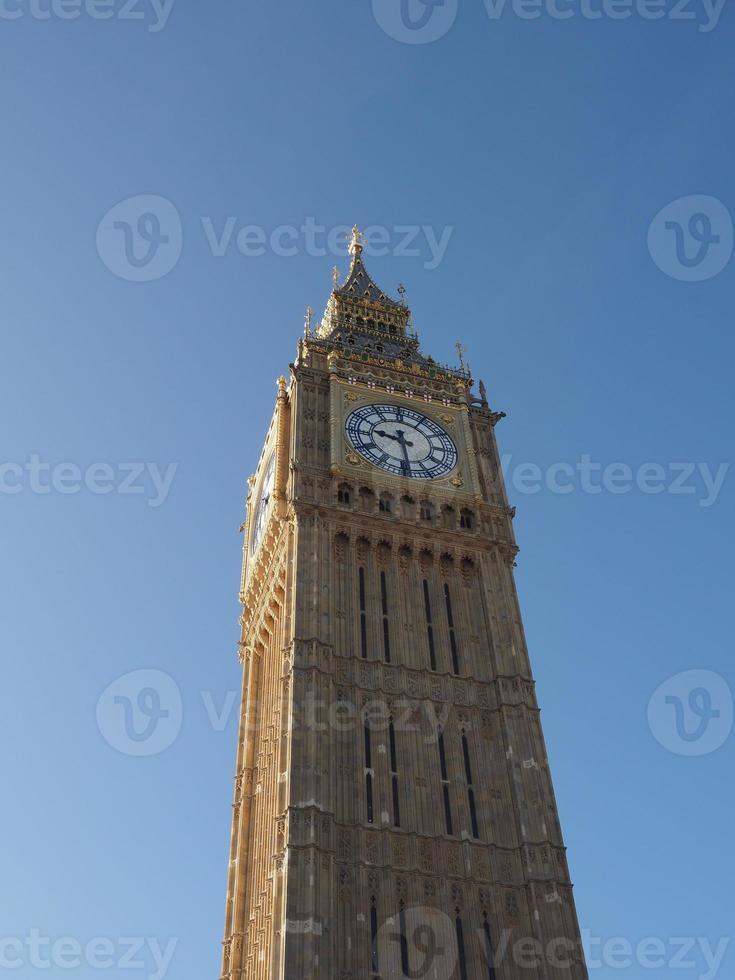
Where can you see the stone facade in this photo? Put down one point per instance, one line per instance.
(394, 812)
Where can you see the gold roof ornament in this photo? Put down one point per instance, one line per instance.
(460, 348)
(356, 244)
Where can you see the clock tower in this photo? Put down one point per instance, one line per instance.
(394, 814)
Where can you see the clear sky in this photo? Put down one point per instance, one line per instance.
(539, 152)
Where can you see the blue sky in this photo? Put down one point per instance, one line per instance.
(544, 149)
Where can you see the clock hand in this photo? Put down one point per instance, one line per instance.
(402, 438)
(398, 437)
(404, 444)
(386, 435)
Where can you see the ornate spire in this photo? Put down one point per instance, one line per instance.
(359, 285)
(362, 323)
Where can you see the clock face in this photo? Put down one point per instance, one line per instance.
(401, 441)
(261, 511)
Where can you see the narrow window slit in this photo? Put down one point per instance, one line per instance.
(429, 626)
(386, 628)
(363, 614)
(452, 635)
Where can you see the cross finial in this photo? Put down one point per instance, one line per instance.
(335, 277)
(460, 348)
(402, 292)
(356, 243)
(307, 321)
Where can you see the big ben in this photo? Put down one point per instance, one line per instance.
(393, 813)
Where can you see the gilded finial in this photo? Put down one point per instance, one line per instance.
(356, 243)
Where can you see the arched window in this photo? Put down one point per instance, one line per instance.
(466, 519)
(385, 504)
(462, 954)
(402, 932)
(367, 498)
(368, 775)
(344, 493)
(394, 774)
(363, 612)
(386, 622)
(450, 624)
(427, 511)
(470, 789)
(445, 784)
(489, 953)
(374, 934)
(429, 624)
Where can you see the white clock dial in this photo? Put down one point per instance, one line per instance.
(401, 441)
(261, 510)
